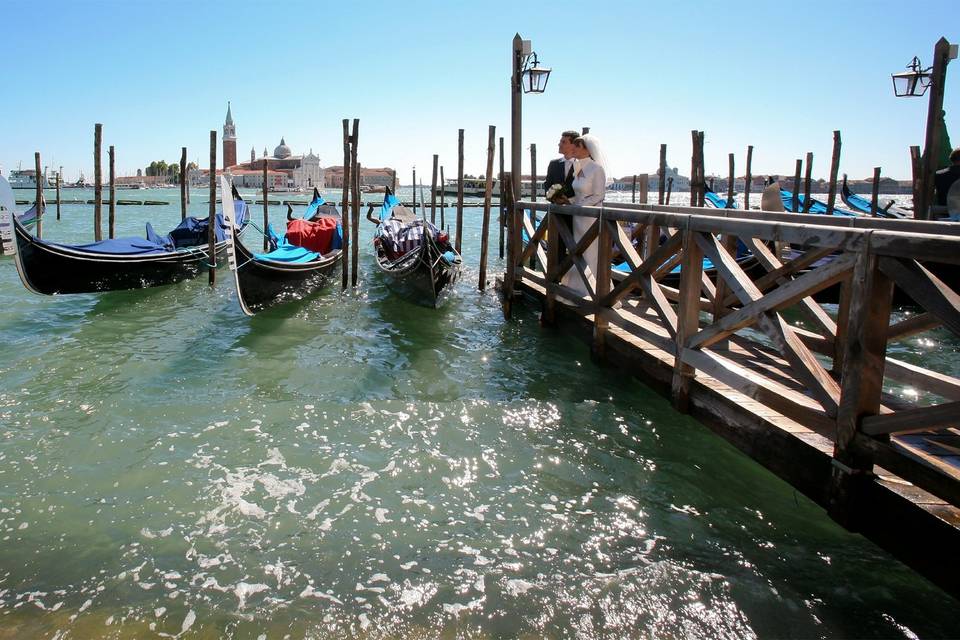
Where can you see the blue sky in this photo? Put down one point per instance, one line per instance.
(779, 76)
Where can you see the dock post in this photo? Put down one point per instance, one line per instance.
(355, 216)
(796, 186)
(669, 188)
(533, 179)
(212, 219)
(834, 169)
(688, 315)
(112, 208)
(433, 192)
(183, 183)
(443, 205)
(644, 188)
(694, 171)
(59, 179)
(97, 183)
(509, 275)
(730, 181)
(488, 192)
(633, 190)
(932, 137)
(414, 190)
(861, 384)
(500, 200)
(807, 179)
(747, 179)
(598, 349)
(344, 211)
(38, 178)
(875, 194)
(548, 312)
(662, 181)
(266, 205)
(460, 192)
(916, 167)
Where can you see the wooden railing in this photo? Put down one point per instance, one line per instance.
(839, 357)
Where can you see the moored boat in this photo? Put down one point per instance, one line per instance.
(863, 206)
(121, 263)
(289, 271)
(417, 258)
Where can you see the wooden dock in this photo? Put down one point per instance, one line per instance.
(807, 402)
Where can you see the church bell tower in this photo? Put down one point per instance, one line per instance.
(229, 141)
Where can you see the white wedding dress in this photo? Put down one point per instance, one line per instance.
(589, 189)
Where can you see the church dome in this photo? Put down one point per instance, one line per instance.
(282, 151)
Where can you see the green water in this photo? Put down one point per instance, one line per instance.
(353, 465)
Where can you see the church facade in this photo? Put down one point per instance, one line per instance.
(285, 171)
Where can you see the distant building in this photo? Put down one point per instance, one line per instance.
(291, 172)
(229, 141)
(372, 177)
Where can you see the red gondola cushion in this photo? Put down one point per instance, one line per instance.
(315, 236)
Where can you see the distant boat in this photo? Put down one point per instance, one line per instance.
(108, 265)
(287, 272)
(25, 179)
(416, 257)
(864, 206)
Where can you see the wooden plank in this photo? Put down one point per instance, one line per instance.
(931, 418)
(804, 363)
(688, 318)
(926, 289)
(914, 324)
(925, 379)
(862, 379)
(897, 459)
(782, 297)
(625, 286)
(602, 269)
(807, 305)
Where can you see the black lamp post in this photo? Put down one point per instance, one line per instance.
(914, 83)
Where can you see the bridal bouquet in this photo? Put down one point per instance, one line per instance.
(560, 193)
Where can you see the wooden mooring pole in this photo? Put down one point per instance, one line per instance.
(59, 179)
(633, 190)
(916, 167)
(796, 186)
(834, 170)
(875, 193)
(730, 180)
(488, 192)
(443, 205)
(533, 180)
(500, 201)
(112, 208)
(212, 218)
(669, 188)
(266, 205)
(183, 184)
(433, 192)
(97, 183)
(39, 195)
(459, 192)
(662, 181)
(807, 180)
(344, 211)
(747, 179)
(415, 190)
(932, 137)
(509, 276)
(355, 222)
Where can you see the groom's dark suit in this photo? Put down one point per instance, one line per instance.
(555, 174)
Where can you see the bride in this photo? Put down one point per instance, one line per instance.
(589, 189)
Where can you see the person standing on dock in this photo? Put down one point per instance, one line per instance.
(560, 170)
(589, 189)
(945, 178)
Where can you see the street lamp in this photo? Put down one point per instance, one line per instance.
(912, 83)
(534, 77)
(527, 77)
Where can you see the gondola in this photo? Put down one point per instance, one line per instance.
(121, 263)
(28, 218)
(863, 206)
(288, 271)
(416, 258)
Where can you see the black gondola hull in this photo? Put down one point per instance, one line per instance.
(53, 269)
(264, 284)
(424, 277)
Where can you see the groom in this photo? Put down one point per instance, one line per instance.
(560, 170)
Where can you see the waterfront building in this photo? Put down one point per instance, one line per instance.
(229, 141)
